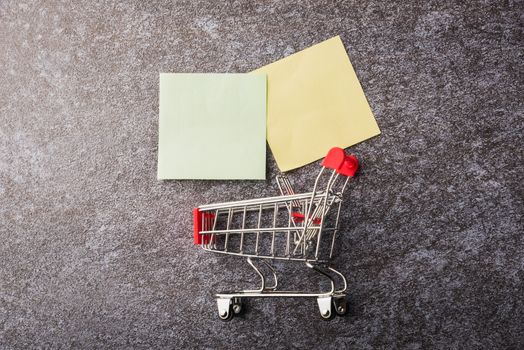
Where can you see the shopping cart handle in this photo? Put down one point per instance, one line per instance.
(337, 159)
(334, 158)
(349, 167)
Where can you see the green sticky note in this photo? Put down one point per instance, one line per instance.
(212, 126)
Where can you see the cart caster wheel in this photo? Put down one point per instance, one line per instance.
(237, 307)
(325, 305)
(226, 315)
(340, 305)
(225, 309)
(327, 315)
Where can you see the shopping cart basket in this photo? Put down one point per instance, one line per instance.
(292, 226)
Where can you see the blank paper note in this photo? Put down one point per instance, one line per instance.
(212, 126)
(315, 102)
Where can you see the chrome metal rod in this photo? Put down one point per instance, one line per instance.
(255, 202)
(317, 269)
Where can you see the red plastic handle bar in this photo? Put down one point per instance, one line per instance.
(337, 159)
(349, 167)
(334, 158)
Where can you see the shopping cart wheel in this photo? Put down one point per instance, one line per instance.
(237, 306)
(340, 305)
(228, 316)
(225, 309)
(325, 305)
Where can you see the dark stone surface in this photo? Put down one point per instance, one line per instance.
(96, 253)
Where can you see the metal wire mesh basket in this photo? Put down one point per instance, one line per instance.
(292, 226)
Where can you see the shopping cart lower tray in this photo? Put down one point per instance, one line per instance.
(292, 226)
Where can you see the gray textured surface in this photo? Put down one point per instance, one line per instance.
(95, 252)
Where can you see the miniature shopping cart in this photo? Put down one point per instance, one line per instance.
(292, 226)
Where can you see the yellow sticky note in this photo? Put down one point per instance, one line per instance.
(315, 102)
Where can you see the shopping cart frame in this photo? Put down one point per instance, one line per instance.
(302, 239)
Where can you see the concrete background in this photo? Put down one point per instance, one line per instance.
(96, 253)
